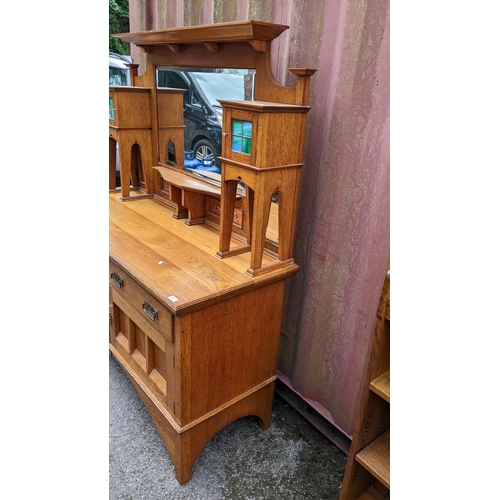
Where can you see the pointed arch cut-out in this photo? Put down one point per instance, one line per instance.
(114, 173)
(136, 168)
(171, 156)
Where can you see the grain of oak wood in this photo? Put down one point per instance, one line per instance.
(382, 386)
(217, 360)
(198, 337)
(144, 233)
(375, 458)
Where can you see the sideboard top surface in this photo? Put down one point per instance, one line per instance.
(177, 261)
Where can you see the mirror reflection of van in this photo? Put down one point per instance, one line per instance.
(119, 73)
(202, 111)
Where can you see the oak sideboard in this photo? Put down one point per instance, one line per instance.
(198, 263)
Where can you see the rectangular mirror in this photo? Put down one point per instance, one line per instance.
(202, 111)
(202, 120)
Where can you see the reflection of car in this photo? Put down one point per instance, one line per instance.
(119, 74)
(202, 112)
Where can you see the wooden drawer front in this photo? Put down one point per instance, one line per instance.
(154, 318)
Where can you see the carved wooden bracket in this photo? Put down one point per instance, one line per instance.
(258, 45)
(212, 46)
(175, 47)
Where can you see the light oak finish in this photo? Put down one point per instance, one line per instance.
(375, 458)
(198, 336)
(241, 44)
(208, 354)
(278, 114)
(188, 195)
(238, 31)
(273, 166)
(171, 125)
(367, 472)
(382, 386)
(131, 128)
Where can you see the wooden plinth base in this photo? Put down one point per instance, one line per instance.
(273, 266)
(185, 443)
(234, 251)
(135, 197)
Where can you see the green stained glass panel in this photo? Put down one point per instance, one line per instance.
(247, 129)
(241, 140)
(237, 143)
(111, 109)
(247, 146)
(237, 127)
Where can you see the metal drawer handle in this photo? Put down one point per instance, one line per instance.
(117, 280)
(150, 310)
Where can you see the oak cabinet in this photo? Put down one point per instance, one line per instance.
(197, 337)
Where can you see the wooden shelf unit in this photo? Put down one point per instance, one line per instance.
(367, 474)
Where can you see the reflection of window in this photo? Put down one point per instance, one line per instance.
(117, 76)
(173, 80)
(241, 136)
(111, 109)
(195, 101)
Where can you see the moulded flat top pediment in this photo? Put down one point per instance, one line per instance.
(232, 32)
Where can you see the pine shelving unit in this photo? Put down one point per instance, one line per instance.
(367, 473)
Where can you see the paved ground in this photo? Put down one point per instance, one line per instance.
(291, 460)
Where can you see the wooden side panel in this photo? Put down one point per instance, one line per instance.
(131, 107)
(229, 348)
(283, 146)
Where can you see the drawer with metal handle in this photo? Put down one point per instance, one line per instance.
(151, 313)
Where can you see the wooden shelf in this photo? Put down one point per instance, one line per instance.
(185, 182)
(375, 458)
(382, 386)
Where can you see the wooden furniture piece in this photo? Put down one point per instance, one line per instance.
(130, 127)
(198, 336)
(260, 149)
(367, 472)
(236, 45)
(171, 126)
